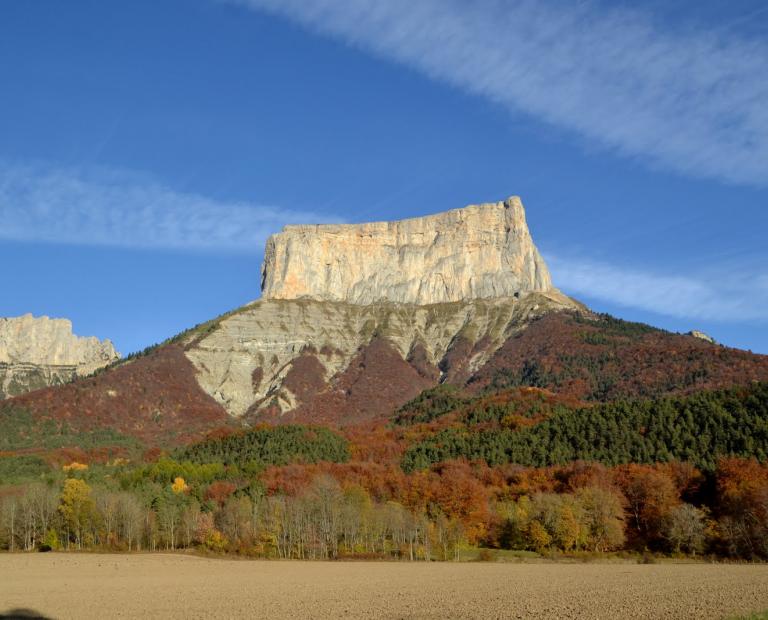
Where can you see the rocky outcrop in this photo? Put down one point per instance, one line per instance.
(38, 352)
(695, 333)
(357, 320)
(479, 252)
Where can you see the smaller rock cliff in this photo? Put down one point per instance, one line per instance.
(38, 352)
(478, 252)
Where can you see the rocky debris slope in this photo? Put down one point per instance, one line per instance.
(479, 252)
(315, 358)
(38, 352)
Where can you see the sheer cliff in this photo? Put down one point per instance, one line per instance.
(38, 352)
(477, 252)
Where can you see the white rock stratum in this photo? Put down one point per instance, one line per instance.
(36, 352)
(481, 251)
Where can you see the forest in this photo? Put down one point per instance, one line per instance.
(521, 469)
(694, 428)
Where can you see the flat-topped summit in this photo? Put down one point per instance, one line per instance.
(477, 252)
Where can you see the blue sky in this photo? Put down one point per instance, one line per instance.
(148, 148)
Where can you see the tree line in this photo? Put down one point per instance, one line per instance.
(340, 510)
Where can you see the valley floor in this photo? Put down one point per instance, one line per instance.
(176, 586)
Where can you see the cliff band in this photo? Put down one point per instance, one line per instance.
(478, 252)
(38, 352)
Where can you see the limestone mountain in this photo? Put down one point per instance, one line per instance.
(355, 320)
(422, 300)
(38, 352)
(478, 252)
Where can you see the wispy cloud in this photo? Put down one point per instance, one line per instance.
(109, 208)
(690, 101)
(731, 296)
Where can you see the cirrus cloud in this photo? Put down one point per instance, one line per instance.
(691, 101)
(109, 208)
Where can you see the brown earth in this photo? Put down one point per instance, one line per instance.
(174, 586)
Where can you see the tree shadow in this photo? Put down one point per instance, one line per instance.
(23, 614)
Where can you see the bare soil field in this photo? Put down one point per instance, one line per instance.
(175, 586)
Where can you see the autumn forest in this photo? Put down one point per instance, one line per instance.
(451, 475)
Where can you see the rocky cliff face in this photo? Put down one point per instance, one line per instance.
(38, 352)
(478, 252)
(354, 321)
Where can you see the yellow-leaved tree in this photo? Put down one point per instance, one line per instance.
(78, 510)
(179, 485)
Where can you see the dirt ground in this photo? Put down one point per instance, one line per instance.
(174, 586)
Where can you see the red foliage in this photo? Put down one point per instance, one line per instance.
(376, 382)
(651, 494)
(375, 442)
(154, 398)
(219, 491)
(643, 364)
(742, 486)
(581, 474)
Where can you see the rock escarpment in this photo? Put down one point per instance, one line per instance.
(354, 321)
(38, 352)
(478, 252)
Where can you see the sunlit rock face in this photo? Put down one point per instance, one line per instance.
(478, 252)
(38, 352)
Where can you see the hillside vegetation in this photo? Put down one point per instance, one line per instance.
(699, 429)
(580, 435)
(600, 358)
(273, 446)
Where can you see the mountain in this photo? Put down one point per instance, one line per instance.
(38, 352)
(478, 252)
(356, 320)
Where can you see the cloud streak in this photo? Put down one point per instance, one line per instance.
(118, 209)
(735, 296)
(688, 101)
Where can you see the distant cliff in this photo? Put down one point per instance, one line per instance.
(478, 252)
(38, 352)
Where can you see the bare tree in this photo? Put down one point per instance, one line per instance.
(9, 507)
